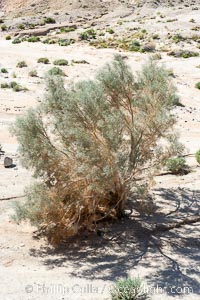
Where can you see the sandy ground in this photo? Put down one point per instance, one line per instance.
(168, 262)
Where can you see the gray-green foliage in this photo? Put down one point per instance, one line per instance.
(176, 165)
(128, 289)
(90, 144)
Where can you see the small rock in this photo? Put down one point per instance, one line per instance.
(8, 162)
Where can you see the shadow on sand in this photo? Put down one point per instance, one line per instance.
(130, 245)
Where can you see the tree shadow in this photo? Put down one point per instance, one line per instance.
(166, 259)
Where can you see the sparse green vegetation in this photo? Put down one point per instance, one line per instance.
(8, 37)
(49, 20)
(21, 64)
(67, 29)
(88, 35)
(21, 26)
(19, 88)
(5, 86)
(33, 73)
(197, 85)
(3, 70)
(55, 71)
(134, 46)
(80, 61)
(197, 156)
(49, 41)
(128, 289)
(33, 39)
(60, 62)
(66, 42)
(43, 60)
(16, 41)
(110, 30)
(3, 27)
(176, 165)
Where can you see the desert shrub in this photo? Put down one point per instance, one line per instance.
(43, 60)
(88, 34)
(8, 37)
(16, 41)
(49, 41)
(197, 85)
(197, 156)
(19, 88)
(13, 84)
(66, 42)
(33, 73)
(32, 25)
(3, 27)
(178, 38)
(49, 20)
(110, 30)
(188, 54)
(183, 53)
(3, 70)
(128, 289)
(134, 46)
(82, 61)
(55, 71)
(67, 29)
(5, 86)
(21, 64)
(92, 144)
(176, 165)
(33, 39)
(21, 26)
(60, 62)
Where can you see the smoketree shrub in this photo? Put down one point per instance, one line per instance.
(128, 289)
(91, 145)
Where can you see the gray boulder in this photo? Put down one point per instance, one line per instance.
(8, 162)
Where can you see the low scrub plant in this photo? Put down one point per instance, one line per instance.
(88, 34)
(60, 62)
(5, 86)
(55, 71)
(3, 70)
(176, 165)
(49, 20)
(21, 26)
(3, 27)
(21, 64)
(92, 144)
(16, 41)
(197, 85)
(33, 39)
(43, 60)
(33, 73)
(66, 42)
(128, 289)
(197, 156)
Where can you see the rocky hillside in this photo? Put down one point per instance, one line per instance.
(39, 6)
